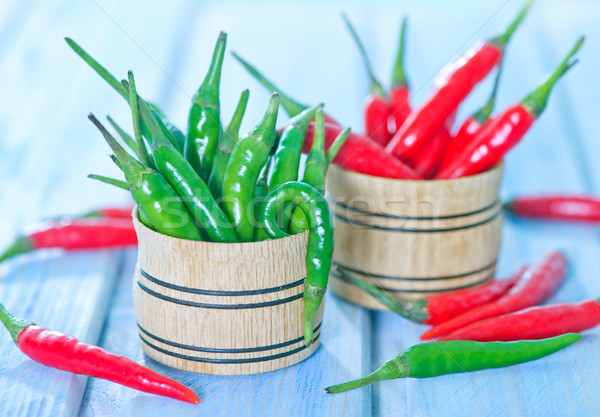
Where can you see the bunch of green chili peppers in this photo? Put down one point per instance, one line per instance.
(211, 184)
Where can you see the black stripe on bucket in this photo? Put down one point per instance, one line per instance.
(219, 293)
(219, 306)
(214, 350)
(227, 361)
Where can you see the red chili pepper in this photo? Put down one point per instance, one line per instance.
(67, 353)
(427, 161)
(533, 323)
(471, 126)
(377, 111)
(454, 84)
(73, 234)
(443, 307)
(360, 154)
(507, 129)
(111, 212)
(556, 207)
(399, 93)
(536, 284)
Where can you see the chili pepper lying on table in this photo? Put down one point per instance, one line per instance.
(436, 309)
(159, 206)
(247, 160)
(454, 84)
(67, 353)
(110, 212)
(399, 93)
(377, 111)
(320, 241)
(360, 154)
(204, 120)
(556, 207)
(507, 129)
(291, 106)
(537, 283)
(441, 358)
(533, 323)
(74, 234)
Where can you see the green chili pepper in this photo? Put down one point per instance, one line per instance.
(185, 181)
(110, 181)
(247, 159)
(137, 128)
(441, 358)
(204, 120)
(287, 156)
(228, 139)
(129, 141)
(159, 206)
(320, 241)
(260, 193)
(177, 134)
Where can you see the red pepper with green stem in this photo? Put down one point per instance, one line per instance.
(537, 283)
(533, 323)
(507, 129)
(74, 234)
(377, 111)
(556, 207)
(67, 353)
(453, 85)
(399, 93)
(360, 154)
(438, 308)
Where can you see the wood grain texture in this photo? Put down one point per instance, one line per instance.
(414, 238)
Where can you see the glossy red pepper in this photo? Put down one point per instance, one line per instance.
(400, 92)
(533, 323)
(452, 86)
(67, 353)
(377, 111)
(428, 159)
(72, 234)
(360, 154)
(111, 212)
(557, 207)
(507, 129)
(537, 283)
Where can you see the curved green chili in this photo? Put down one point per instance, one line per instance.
(204, 120)
(160, 207)
(226, 144)
(441, 358)
(320, 241)
(287, 156)
(247, 159)
(185, 181)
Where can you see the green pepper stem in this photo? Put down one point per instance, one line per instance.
(232, 132)
(116, 161)
(481, 115)
(142, 152)
(291, 106)
(502, 39)
(508, 206)
(313, 296)
(13, 324)
(415, 311)
(376, 88)
(208, 92)
(21, 245)
(111, 181)
(336, 145)
(129, 141)
(398, 74)
(537, 100)
(302, 119)
(392, 369)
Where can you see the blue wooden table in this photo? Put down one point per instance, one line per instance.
(47, 147)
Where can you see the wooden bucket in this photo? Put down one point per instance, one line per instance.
(221, 308)
(414, 238)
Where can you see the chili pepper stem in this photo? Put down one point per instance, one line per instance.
(291, 106)
(392, 369)
(398, 74)
(313, 296)
(376, 87)
(336, 145)
(111, 181)
(12, 324)
(502, 40)
(536, 101)
(21, 245)
(481, 115)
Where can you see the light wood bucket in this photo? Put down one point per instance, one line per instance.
(221, 308)
(414, 238)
